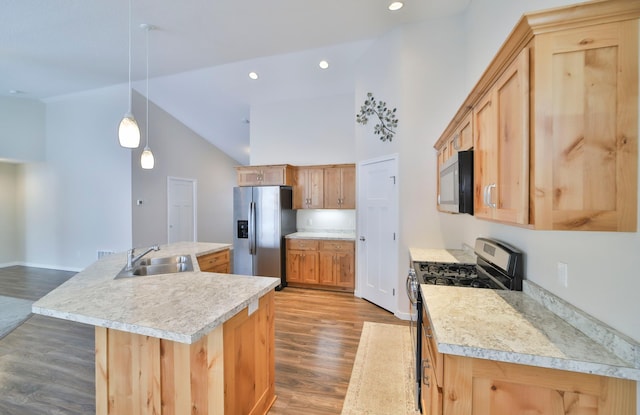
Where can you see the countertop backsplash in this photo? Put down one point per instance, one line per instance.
(326, 220)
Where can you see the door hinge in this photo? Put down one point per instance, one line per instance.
(394, 292)
(394, 179)
(394, 236)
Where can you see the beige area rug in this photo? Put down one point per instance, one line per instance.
(382, 377)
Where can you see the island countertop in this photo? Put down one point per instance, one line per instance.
(510, 326)
(181, 307)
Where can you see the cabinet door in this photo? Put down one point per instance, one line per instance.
(273, 176)
(300, 188)
(430, 392)
(294, 258)
(501, 157)
(248, 176)
(332, 191)
(348, 187)
(327, 274)
(464, 134)
(344, 269)
(309, 265)
(586, 128)
(308, 188)
(339, 187)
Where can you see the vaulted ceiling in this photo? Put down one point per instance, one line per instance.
(200, 53)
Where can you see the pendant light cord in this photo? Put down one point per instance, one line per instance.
(148, 29)
(130, 93)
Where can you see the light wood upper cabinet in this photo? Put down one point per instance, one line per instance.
(461, 139)
(340, 187)
(308, 188)
(586, 148)
(276, 175)
(555, 121)
(501, 143)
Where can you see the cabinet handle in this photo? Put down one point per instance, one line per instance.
(484, 195)
(425, 377)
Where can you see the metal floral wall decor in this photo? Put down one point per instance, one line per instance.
(387, 117)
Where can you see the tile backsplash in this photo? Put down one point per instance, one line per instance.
(309, 220)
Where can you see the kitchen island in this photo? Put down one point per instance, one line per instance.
(188, 342)
(506, 352)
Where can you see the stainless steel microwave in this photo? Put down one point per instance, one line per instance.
(456, 183)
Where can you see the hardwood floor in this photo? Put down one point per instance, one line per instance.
(47, 365)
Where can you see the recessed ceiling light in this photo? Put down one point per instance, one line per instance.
(253, 75)
(323, 64)
(396, 5)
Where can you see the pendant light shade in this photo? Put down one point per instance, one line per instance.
(128, 130)
(146, 159)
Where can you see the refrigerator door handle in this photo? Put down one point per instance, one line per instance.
(252, 228)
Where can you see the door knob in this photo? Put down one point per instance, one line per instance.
(362, 238)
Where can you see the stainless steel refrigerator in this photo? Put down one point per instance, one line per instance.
(262, 216)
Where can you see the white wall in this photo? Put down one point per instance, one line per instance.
(11, 242)
(180, 152)
(22, 129)
(303, 132)
(419, 76)
(78, 202)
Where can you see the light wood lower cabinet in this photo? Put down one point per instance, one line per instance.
(326, 264)
(229, 371)
(302, 261)
(219, 262)
(456, 385)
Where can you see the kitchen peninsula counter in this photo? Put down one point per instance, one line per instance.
(182, 307)
(172, 343)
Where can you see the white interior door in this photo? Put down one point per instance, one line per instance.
(378, 231)
(181, 209)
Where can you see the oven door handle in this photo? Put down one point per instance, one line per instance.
(410, 285)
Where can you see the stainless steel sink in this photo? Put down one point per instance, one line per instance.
(156, 266)
(178, 259)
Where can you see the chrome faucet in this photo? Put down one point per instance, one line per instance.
(131, 260)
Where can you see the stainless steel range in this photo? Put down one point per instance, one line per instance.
(498, 266)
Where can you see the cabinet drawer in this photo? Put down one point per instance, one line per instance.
(337, 246)
(214, 262)
(302, 244)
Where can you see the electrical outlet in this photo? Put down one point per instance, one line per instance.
(563, 274)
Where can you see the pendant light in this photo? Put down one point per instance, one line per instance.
(146, 160)
(128, 131)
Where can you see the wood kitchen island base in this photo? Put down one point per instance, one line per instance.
(229, 371)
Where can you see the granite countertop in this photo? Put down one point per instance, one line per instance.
(338, 235)
(181, 307)
(461, 256)
(510, 326)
